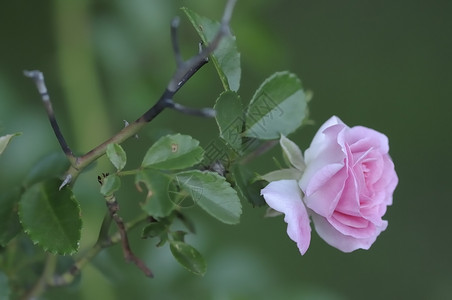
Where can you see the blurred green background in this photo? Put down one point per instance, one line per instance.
(383, 64)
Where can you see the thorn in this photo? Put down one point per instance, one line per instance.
(66, 181)
(127, 124)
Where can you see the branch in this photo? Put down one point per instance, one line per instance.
(69, 276)
(113, 208)
(184, 71)
(38, 78)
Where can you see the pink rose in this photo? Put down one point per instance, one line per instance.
(346, 185)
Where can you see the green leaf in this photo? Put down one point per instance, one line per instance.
(110, 185)
(4, 140)
(179, 235)
(246, 188)
(50, 166)
(117, 156)
(212, 193)
(158, 202)
(230, 119)
(226, 57)
(278, 107)
(51, 217)
(188, 257)
(173, 152)
(217, 151)
(4, 287)
(9, 219)
(163, 240)
(293, 153)
(154, 229)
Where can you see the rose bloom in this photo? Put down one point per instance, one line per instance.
(346, 186)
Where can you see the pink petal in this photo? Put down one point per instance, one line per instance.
(362, 138)
(349, 198)
(285, 197)
(345, 243)
(323, 198)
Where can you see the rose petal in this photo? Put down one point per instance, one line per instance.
(349, 201)
(285, 196)
(362, 138)
(325, 149)
(324, 200)
(343, 242)
(318, 142)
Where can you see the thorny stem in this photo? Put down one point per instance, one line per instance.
(184, 71)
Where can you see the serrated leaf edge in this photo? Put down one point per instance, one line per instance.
(30, 235)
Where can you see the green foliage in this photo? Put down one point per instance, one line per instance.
(110, 185)
(117, 156)
(155, 229)
(212, 193)
(226, 57)
(51, 218)
(4, 140)
(185, 254)
(229, 117)
(277, 108)
(158, 202)
(173, 152)
(247, 188)
(172, 171)
(9, 220)
(188, 257)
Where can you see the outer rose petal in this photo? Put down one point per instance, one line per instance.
(340, 241)
(285, 197)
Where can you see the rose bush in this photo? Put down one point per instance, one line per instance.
(345, 185)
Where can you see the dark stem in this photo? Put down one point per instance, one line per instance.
(184, 71)
(156, 109)
(113, 208)
(38, 79)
